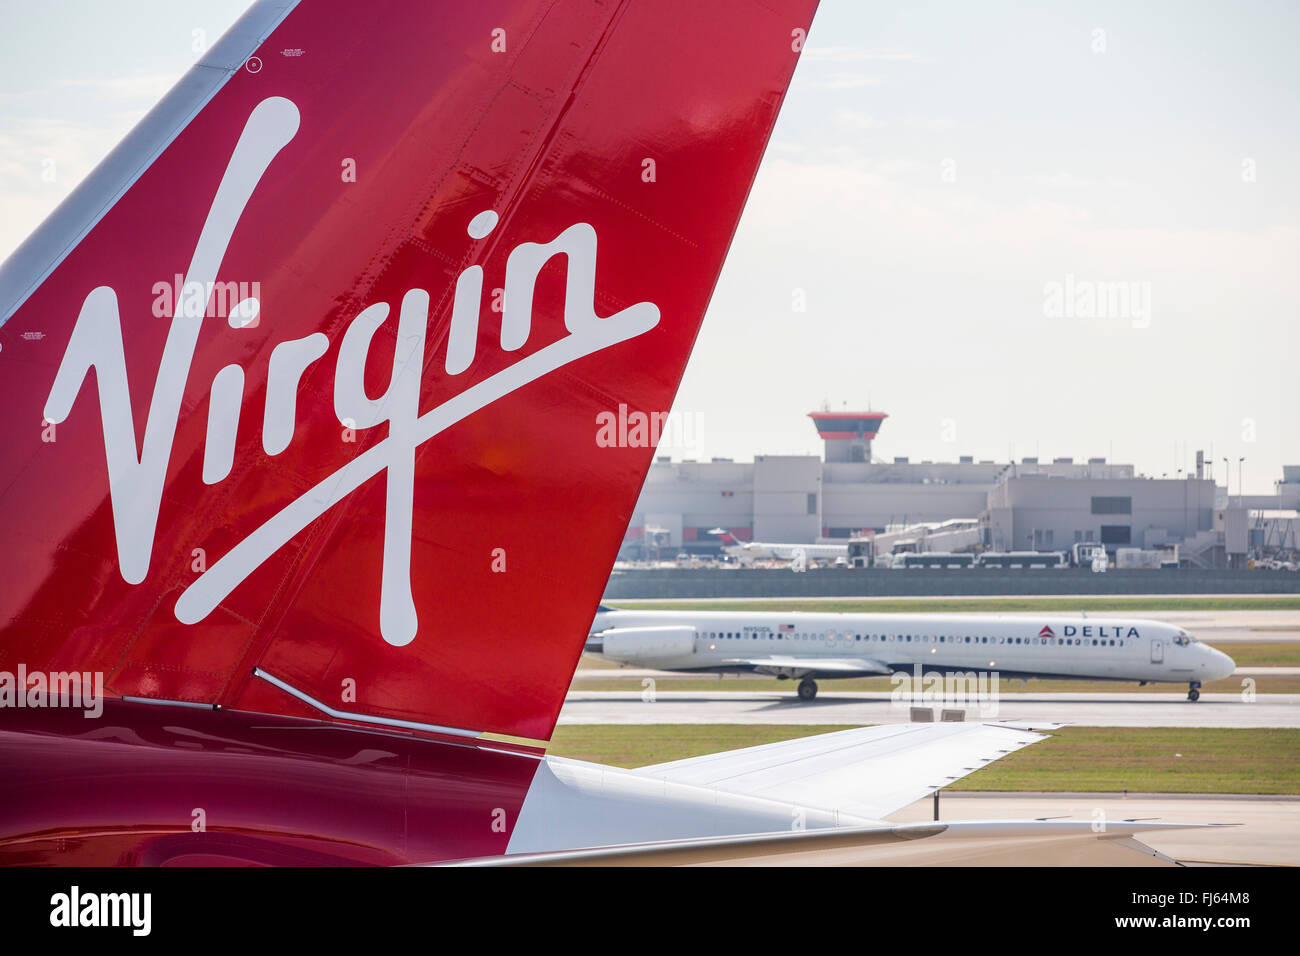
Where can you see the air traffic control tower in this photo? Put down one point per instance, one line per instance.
(847, 434)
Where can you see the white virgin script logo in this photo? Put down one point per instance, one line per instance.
(136, 480)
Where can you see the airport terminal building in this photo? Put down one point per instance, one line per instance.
(1013, 506)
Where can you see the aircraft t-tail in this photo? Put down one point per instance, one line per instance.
(302, 387)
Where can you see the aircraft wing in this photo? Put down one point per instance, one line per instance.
(829, 666)
(867, 772)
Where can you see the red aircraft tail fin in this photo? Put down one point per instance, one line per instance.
(359, 298)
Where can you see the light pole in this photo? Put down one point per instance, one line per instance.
(1227, 480)
(1241, 480)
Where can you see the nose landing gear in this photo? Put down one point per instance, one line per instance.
(807, 689)
(1194, 690)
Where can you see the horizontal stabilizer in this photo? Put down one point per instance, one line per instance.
(975, 843)
(866, 772)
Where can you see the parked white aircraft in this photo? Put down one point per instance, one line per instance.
(747, 552)
(805, 646)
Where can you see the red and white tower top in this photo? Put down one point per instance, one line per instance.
(847, 435)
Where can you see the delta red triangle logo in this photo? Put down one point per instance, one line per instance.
(1046, 632)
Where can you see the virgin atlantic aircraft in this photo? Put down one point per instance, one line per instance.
(302, 387)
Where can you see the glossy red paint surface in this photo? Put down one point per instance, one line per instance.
(124, 789)
(552, 132)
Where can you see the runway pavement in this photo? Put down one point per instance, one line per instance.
(1090, 710)
(1269, 831)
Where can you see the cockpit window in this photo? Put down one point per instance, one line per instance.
(1183, 639)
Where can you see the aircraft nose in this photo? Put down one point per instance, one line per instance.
(1220, 665)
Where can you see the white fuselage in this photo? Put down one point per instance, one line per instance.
(763, 550)
(1128, 649)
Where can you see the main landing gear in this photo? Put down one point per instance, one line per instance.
(807, 689)
(1194, 690)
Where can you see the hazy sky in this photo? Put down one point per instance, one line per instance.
(943, 176)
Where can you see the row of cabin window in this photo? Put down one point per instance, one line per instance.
(1072, 641)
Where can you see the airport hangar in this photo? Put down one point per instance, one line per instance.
(1002, 506)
